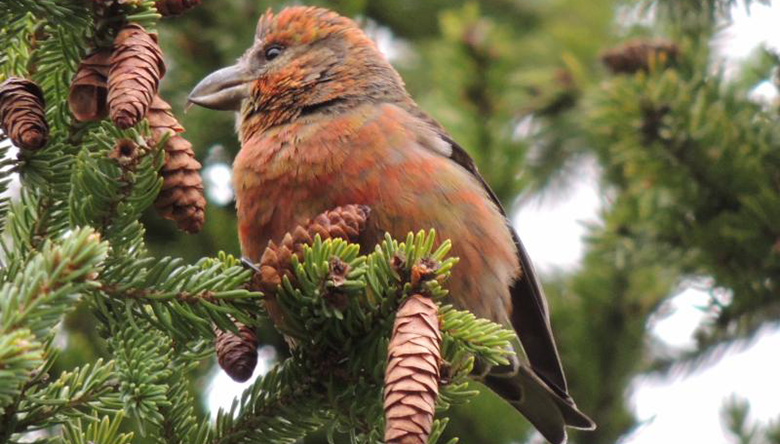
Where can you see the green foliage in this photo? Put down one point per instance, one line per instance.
(103, 431)
(280, 407)
(77, 393)
(688, 163)
(339, 310)
(32, 302)
(74, 235)
(694, 132)
(735, 412)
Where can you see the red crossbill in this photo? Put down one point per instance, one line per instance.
(324, 120)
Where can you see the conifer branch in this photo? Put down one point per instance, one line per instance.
(338, 309)
(158, 315)
(105, 431)
(33, 303)
(710, 226)
(74, 393)
(281, 407)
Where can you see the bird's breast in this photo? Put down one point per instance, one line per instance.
(293, 172)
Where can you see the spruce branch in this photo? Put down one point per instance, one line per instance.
(15, 35)
(141, 358)
(476, 335)
(6, 168)
(20, 355)
(32, 303)
(281, 407)
(705, 157)
(179, 424)
(337, 308)
(184, 301)
(76, 393)
(50, 281)
(103, 431)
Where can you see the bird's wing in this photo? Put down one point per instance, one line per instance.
(530, 315)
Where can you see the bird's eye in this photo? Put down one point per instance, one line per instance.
(272, 52)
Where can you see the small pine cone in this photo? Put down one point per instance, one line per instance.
(342, 222)
(175, 7)
(181, 198)
(136, 67)
(638, 55)
(275, 264)
(412, 375)
(23, 113)
(89, 87)
(237, 353)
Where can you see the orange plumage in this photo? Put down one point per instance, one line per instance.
(324, 120)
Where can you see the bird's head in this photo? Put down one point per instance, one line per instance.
(303, 60)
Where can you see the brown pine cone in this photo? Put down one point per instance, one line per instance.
(23, 113)
(181, 198)
(237, 353)
(136, 67)
(412, 374)
(175, 7)
(637, 55)
(342, 222)
(89, 87)
(345, 222)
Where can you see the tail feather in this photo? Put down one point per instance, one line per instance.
(549, 412)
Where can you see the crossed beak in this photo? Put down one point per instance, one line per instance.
(224, 89)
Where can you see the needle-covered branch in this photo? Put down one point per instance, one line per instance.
(335, 303)
(337, 307)
(34, 302)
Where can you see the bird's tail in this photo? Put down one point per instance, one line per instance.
(548, 411)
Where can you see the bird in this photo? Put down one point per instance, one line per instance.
(324, 120)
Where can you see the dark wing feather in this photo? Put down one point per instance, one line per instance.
(530, 317)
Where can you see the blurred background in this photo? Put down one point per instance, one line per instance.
(637, 146)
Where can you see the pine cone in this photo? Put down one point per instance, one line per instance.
(89, 88)
(637, 56)
(175, 7)
(342, 222)
(412, 375)
(181, 198)
(237, 353)
(23, 113)
(136, 69)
